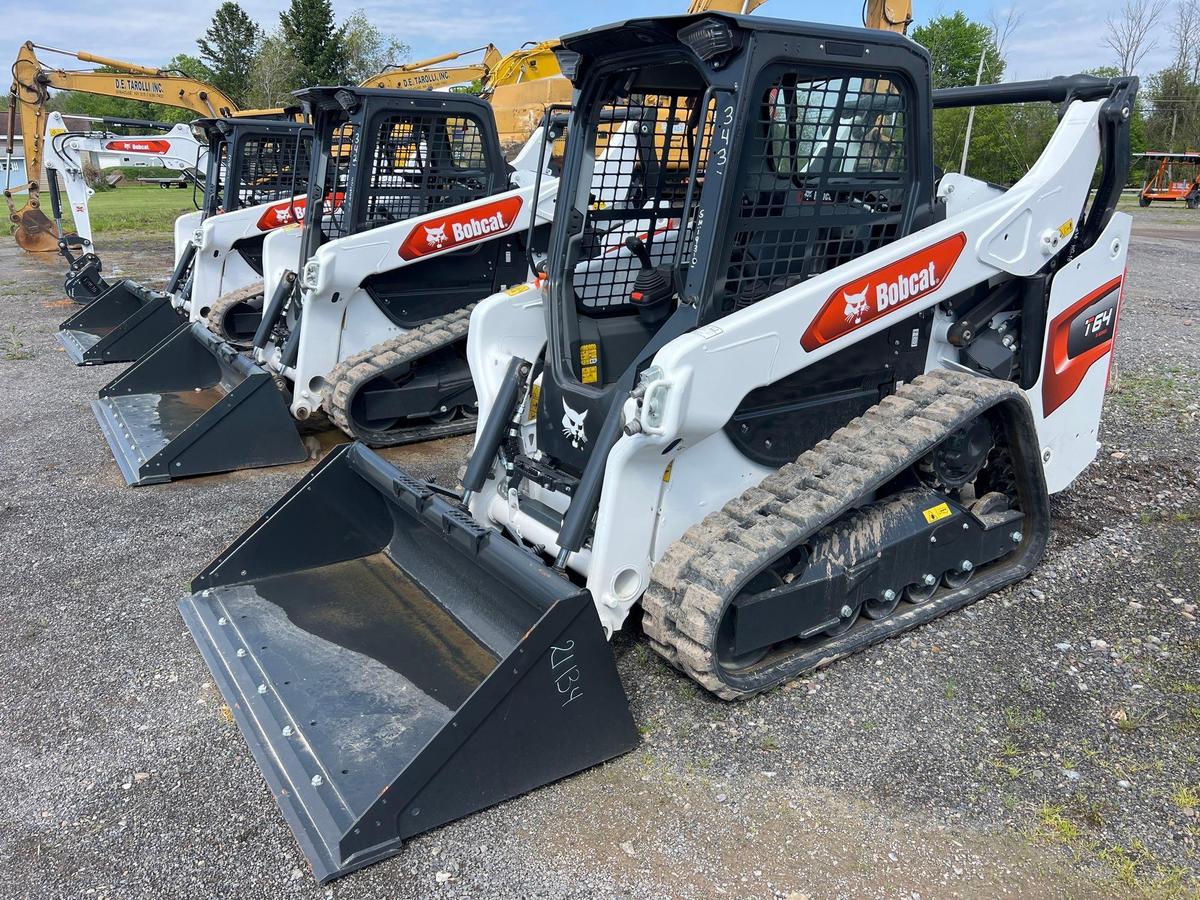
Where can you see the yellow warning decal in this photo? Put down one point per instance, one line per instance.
(1066, 228)
(937, 513)
(535, 394)
(55, 132)
(667, 472)
(517, 289)
(590, 375)
(588, 354)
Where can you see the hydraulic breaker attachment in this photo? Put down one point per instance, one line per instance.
(194, 406)
(120, 325)
(394, 665)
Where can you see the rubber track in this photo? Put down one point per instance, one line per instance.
(353, 372)
(698, 575)
(225, 303)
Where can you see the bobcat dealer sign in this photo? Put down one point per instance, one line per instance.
(479, 223)
(895, 285)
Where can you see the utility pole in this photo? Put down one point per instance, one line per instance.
(962, 167)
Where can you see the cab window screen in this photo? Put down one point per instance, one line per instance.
(272, 167)
(643, 147)
(422, 163)
(824, 178)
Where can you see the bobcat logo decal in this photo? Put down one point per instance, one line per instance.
(572, 424)
(435, 237)
(856, 305)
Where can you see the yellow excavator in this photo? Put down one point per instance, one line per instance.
(28, 97)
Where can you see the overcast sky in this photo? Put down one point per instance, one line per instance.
(1055, 37)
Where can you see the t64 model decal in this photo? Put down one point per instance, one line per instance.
(1079, 336)
(458, 228)
(865, 299)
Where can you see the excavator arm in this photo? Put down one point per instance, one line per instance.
(429, 74)
(888, 15)
(30, 93)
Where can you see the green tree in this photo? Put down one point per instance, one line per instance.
(308, 29)
(229, 46)
(955, 44)
(366, 50)
(274, 73)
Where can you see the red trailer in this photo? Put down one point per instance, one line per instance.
(1171, 176)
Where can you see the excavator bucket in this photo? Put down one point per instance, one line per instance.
(34, 231)
(394, 666)
(120, 325)
(194, 406)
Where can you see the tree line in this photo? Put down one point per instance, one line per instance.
(1006, 140)
(258, 68)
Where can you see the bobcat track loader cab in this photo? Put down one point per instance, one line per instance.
(251, 162)
(412, 216)
(830, 407)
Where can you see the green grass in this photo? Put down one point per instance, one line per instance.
(142, 208)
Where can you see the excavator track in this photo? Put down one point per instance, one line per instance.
(218, 319)
(699, 576)
(355, 372)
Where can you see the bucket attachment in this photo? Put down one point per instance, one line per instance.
(120, 325)
(394, 666)
(194, 406)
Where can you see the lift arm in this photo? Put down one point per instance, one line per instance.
(428, 74)
(30, 93)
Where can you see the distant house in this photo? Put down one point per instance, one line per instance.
(12, 169)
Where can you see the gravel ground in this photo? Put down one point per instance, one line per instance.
(1042, 743)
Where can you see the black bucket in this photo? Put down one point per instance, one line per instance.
(120, 325)
(395, 666)
(194, 406)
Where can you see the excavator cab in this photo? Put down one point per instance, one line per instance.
(250, 162)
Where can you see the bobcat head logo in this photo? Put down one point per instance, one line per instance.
(435, 237)
(856, 305)
(572, 425)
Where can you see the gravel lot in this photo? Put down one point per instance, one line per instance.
(1042, 743)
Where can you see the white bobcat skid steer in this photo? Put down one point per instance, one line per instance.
(176, 148)
(412, 216)
(834, 411)
(251, 163)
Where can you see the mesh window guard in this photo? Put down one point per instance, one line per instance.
(824, 178)
(337, 180)
(270, 168)
(422, 163)
(644, 147)
(214, 194)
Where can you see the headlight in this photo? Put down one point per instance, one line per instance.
(311, 275)
(198, 238)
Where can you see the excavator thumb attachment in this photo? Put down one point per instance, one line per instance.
(393, 665)
(120, 325)
(194, 406)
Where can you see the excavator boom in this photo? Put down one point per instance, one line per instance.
(30, 93)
